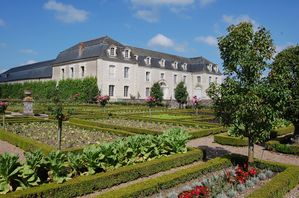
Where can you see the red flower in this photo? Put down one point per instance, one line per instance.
(252, 171)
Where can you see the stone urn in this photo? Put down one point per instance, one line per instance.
(28, 103)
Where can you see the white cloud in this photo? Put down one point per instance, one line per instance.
(2, 23)
(230, 19)
(279, 48)
(162, 2)
(28, 51)
(150, 16)
(30, 62)
(162, 41)
(65, 12)
(209, 40)
(205, 2)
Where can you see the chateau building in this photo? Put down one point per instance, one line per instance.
(122, 71)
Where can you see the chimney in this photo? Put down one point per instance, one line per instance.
(81, 48)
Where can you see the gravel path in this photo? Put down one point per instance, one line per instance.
(213, 150)
(9, 148)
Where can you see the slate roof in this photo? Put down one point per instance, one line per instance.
(27, 72)
(97, 48)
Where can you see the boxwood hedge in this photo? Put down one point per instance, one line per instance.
(225, 139)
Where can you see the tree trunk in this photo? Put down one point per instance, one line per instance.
(296, 132)
(59, 134)
(150, 112)
(3, 120)
(250, 150)
(196, 110)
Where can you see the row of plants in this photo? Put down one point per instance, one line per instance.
(283, 145)
(226, 184)
(226, 139)
(287, 178)
(59, 167)
(74, 90)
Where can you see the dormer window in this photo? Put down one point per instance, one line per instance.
(215, 68)
(175, 65)
(209, 67)
(147, 60)
(162, 62)
(184, 66)
(112, 51)
(127, 53)
(136, 57)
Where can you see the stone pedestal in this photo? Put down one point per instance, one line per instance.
(28, 103)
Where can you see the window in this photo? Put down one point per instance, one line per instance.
(184, 66)
(82, 71)
(162, 63)
(111, 71)
(216, 80)
(147, 91)
(126, 91)
(215, 68)
(184, 79)
(198, 79)
(72, 72)
(210, 79)
(111, 90)
(162, 75)
(175, 78)
(126, 72)
(148, 60)
(147, 76)
(136, 57)
(175, 65)
(62, 73)
(127, 53)
(112, 51)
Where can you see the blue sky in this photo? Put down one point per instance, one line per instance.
(32, 31)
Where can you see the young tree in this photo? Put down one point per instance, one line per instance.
(284, 78)
(181, 94)
(59, 115)
(3, 107)
(157, 93)
(242, 100)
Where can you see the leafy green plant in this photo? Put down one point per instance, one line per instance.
(93, 157)
(75, 162)
(58, 169)
(9, 173)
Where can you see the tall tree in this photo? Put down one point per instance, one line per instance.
(157, 93)
(284, 78)
(242, 100)
(181, 94)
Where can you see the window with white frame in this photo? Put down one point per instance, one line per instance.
(127, 53)
(184, 79)
(112, 51)
(175, 65)
(148, 60)
(71, 72)
(126, 72)
(210, 79)
(147, 76)
(162, 75)
(62, 73)
(198, 79)
(136, 57)
(147, 91)
(184, 66)
(175, 78)
(111, 71)
(82, 71)
(111, 90)
(162, 62)
(126, 91)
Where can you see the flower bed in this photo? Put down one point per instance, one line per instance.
(58, 167)
(45, 132)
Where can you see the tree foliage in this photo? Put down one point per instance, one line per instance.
(284, 78)
(242, 101)
(157, 93)
(181, 93)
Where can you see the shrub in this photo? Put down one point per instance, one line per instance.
(225, 139)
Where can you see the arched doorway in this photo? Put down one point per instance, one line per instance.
(165, 90)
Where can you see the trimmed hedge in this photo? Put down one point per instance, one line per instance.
(206, 132)
(43, 90)
(114, 127)
(280, 184)
(151, 186)
(24, 143)
(87, 184)
(225, 139)
(275, 145)
(282, 131)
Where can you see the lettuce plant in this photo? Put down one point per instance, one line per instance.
(58, 169)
